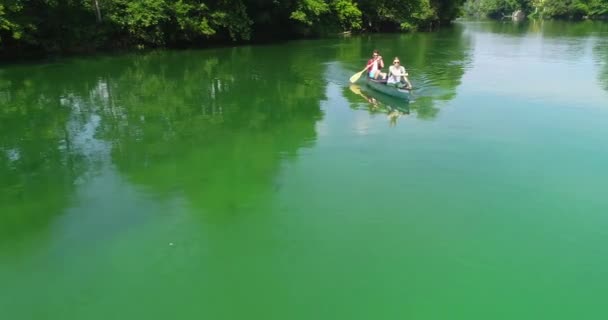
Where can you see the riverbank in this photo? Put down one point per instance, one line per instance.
(25, 54)
(46, 28)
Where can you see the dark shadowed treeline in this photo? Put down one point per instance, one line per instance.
(57, 26)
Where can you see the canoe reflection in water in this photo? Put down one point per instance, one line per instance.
(379, 103)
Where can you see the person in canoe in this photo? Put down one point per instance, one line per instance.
(375, 65)
(397, 76)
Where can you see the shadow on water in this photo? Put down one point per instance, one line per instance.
(566, 35)
(41, 158)
(546, 28)
(213, 127)
(600, 50)
(594, 32)
(561, 39)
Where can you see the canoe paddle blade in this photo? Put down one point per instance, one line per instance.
(356, 76)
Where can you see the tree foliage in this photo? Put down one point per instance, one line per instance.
(569, 9)
(572, 8)
(8, 26)
(76, 25)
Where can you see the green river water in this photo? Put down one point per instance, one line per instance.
(254, 183)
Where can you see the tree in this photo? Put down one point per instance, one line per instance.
(7, 25)
(55, 26)
(347, 13)
(568, 9)
(447, 10)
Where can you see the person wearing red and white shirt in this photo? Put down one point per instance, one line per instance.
(375, 65)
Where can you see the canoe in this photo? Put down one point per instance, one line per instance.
(380, 85)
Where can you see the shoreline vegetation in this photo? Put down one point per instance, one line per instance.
(538, 9)
(40, 29)
(31, 28)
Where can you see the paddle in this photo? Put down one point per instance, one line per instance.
(357, 75)
(356, 90)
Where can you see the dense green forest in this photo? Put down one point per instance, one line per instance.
(49, 26)
(562, 9)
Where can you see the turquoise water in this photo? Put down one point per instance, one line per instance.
(256, 183)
